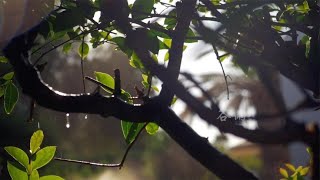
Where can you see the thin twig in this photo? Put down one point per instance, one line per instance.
(60, 44)
(205, 93)
(224, 74)
(86, 162)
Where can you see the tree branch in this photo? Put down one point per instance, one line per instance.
(185, 13)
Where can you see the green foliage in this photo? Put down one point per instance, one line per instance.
(11, 96)
(83, 50)
(130, 130)
(3, 59)
(30, 164)
(295, 173)
(152, 128)
(141, 8)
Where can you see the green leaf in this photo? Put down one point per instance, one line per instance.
(121, 43)
(16, 173)
(130, 130)
(189, 37)
(11, 96)
(19, 155)
(8, 76)
(3, 59)
(2, 89)
(36, 141)
(51, 177)
(43, 157)
(152, 128)
(283, 172)
(105, 79)
(136, 62)
(171, 22)
(174, 100)
(66, 48)
(304, 171)
(141, 8)
(166, 56)
(290, 167)
(224, 57)
(83, 50)
(67, 19)
(153, 42)
(34, 175)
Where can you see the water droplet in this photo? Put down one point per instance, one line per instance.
(67, 120)
(86, 116)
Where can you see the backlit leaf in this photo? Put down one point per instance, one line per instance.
(3, 59)
(36, 141)
(290, 167)
(105, 79)
(16, 173)
(8, 76)
(283, 172)
(152, 128)
(66, 47)
(43, 157)
(83, 50)
(18, 154)
(34, 175)
(130, 130)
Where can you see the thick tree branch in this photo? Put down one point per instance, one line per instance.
(185, 13)
(200, 149)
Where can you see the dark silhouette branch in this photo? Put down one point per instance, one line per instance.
(185, 12)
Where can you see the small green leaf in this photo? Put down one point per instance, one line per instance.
(141, 8)
(66, 48)
(8, 76)
(36, 141)
(83, 50)
(290, 167)
(152, 128)
(136, 62)
(43, 157)
(190, 37)
(224, 57)
(16, 173)
(11, 96)
(51, 177)
(105, 79)
(283, 172)
(19, 155)
(304, 171)
(3, 59)
(130, 130)
(34, 175)
(174, 100)
(166, 56)
(121, 43)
